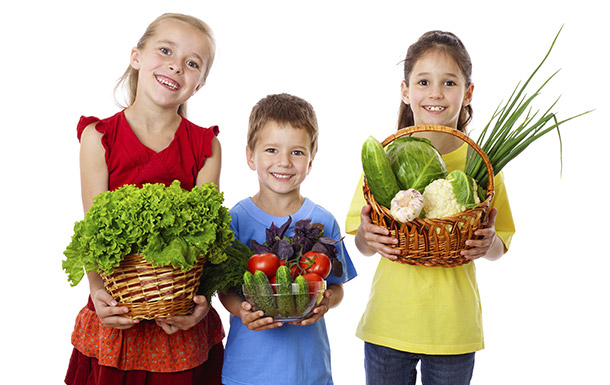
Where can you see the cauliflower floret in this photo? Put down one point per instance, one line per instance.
(440, 200)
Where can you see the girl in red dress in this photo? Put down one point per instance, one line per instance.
(150, 141)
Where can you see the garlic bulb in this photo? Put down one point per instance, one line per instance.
(407, 205)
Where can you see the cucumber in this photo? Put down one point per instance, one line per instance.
(302, 297)
(285, 300)
(250, 287)
(265, 293)
(378, 171)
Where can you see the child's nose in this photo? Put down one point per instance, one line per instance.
(175, 67)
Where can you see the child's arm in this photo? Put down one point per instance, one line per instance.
(210, 172)
(94, 180)
(489, 246)
(242, 309)
(332, 298)
(372, 239)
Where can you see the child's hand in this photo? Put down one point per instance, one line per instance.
(318, 312)
(487, 245)
(254, 320)
(184, 322)
(372, 239)
(109, 313)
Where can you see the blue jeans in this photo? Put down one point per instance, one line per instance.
(386, 366)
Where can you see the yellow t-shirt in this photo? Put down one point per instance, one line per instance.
(428, 310)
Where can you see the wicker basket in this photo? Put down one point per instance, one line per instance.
(153, 292)
(437, 241)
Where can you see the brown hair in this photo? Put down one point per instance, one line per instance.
(449, 44)
(286, 109)
(130, 77)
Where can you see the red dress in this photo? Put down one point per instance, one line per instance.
(145, 354)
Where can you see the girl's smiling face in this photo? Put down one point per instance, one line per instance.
(171, 63)
(281, 157)
(436, 90)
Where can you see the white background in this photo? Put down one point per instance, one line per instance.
(545, 303)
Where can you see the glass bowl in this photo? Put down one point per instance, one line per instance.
(288, 305)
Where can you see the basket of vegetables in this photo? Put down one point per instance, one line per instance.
(430, 212)
(150, 245)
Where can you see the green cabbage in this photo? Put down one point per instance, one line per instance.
(464, 188)
(415, 162)
(167, 225)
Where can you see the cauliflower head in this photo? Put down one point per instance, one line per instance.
(440, 199)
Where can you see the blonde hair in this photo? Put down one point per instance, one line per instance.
(130, 77)
(283, 109)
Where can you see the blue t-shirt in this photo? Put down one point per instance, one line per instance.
(290, 354)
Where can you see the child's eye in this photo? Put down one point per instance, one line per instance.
(298, 152)
(423, 82)
(449, 83)
(165, 50)
(192, 64)
(271, 150)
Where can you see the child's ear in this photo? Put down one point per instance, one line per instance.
(250, 158)
(468, 95)
(309, 165)
(404, 92)
(134, 59)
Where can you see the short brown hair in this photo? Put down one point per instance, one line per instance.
(283, 109)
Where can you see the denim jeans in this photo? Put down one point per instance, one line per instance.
(386, 366)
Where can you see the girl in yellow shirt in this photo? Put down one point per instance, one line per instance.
(428, 314)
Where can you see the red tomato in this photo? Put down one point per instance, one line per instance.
(312, 279)
(267, 263)
(315, 262)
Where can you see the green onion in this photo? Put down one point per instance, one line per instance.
(507, 134)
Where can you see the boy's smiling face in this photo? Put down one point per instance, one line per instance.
(281, 158)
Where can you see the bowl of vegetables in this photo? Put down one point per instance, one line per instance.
(286, 301)
(286, 275)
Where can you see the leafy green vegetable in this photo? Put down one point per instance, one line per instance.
(167, 225)
(415, 162)
(224, 276)
(464, 188)
(503, 138)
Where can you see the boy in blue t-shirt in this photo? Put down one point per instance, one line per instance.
(282, 142)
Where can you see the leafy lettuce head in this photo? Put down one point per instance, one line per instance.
(166, 224)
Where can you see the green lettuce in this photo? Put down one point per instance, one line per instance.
(166, 224)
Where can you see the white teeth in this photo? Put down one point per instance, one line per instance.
(166, 82)
(281, 176)
(434, 108)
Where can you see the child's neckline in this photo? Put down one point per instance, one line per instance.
(169, 145)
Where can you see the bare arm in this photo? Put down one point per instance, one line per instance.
(94, 180)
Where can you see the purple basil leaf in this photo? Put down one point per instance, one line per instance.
(337, 267)
(328, 240)
(284, 227)
(283, 249)
(257, 248)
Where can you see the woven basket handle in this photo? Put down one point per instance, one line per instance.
(448, 130)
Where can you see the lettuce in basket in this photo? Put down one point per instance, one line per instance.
(166, 224)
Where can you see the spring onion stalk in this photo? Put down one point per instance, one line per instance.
(509, 131)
